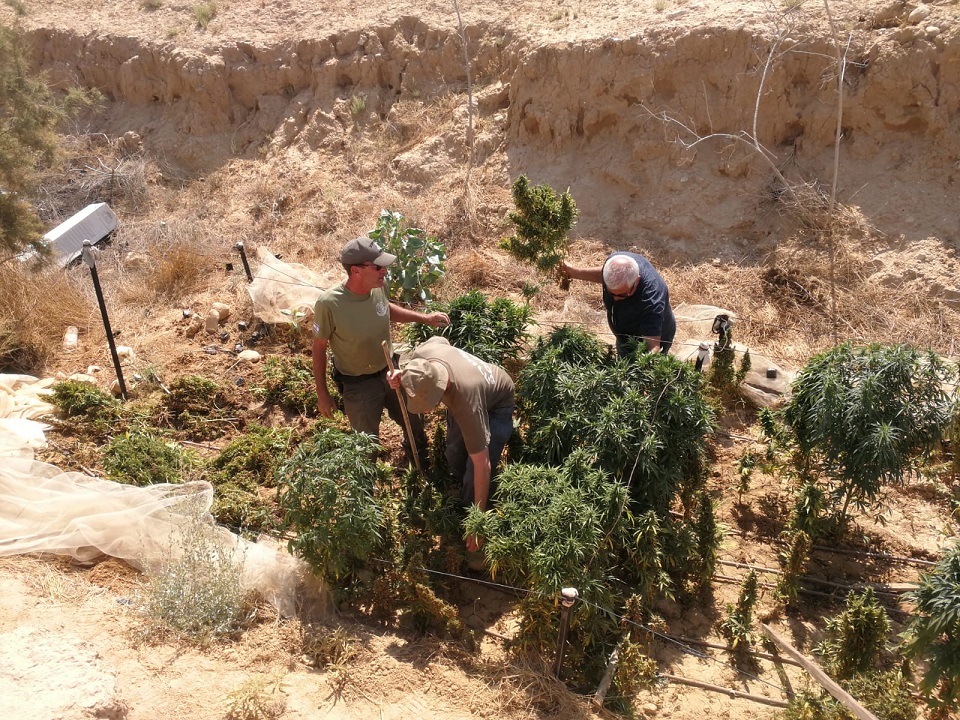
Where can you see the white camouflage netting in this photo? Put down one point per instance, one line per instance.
(46, 510)
(286, 292)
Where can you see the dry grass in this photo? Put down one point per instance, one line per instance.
(35, 309)
(526, 684)
(53, 577)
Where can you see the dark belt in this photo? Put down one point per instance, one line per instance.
(340, 377)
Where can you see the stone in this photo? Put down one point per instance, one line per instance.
(213, 320)
(195, 327)
(222, 309)
(250, 356)
(920, 12)
(81, 377)
(649, 709)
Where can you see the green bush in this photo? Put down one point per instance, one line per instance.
(198, 407)
(420, 258)
(289, 383)
(327, 499)
(934, 631)
(251, 460)
(141, 458)
(493, 331)
(863, 417)
(737, 628)
(886, 694)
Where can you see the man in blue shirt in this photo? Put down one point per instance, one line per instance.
(636, 299)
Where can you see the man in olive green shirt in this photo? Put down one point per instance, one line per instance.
(353, 319)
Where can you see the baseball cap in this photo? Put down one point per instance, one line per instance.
(364, 250)
(425, 383)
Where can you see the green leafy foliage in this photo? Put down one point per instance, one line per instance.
(708, 538)
(542, 220)
(794, 561)
(141, 458)
(30, 113)
(737, 628)
(644, 419)
(856, 636)
(493, 331)
(864, 416)
(886, 694)
(197, 406)
(327, 499)
(934, 631)
(84, 399)
(420, 258)
(246, 464)
(289, 383)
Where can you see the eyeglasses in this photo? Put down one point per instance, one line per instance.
(628, 293)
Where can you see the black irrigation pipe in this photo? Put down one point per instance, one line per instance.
(805, 591)
(843, 551)
(726, 648)
(808, 578)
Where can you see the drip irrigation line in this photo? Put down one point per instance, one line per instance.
(682, 646)
(808, 578)
(727, 648)
(509, 589)
(844, 551)
(737, 694)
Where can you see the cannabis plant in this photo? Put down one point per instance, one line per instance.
(420, 258)
(493, 331)
(864, 417)
(326, 495)
(856, 636)
(542, 220)
(289, 383)
(737, 628)
(934, 631)
(644, 419)
(794, 561)
(141, 458)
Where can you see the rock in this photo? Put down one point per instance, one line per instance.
(920, 12)
(932, 31)
(222, 309)
(649, 709)
(213, 320)
(70, 338)
(250, 356)
(125, 352)
(195, 327)
(93, 369)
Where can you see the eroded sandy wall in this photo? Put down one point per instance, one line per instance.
(586, 115)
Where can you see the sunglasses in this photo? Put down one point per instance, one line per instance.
(628, 293)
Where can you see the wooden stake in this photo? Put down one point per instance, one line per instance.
(403, 409)
(726, 691)
(820, 676)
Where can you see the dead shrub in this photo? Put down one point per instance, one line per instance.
(178, 268)
(35, 309)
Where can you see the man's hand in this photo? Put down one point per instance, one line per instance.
(474, 543)
(325, 404)
(437, 319)
(393, 378)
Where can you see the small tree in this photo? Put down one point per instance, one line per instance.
(864, 416)
(542, 220)
(934, 631)
(30, 112)
(738, 627)
(420, 258)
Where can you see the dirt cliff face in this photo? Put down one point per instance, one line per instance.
(665, 123)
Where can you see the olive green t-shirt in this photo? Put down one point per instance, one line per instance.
(355, 325)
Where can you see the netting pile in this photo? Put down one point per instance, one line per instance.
(286, 292)
(46, 510)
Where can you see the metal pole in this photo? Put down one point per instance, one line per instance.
(703, 354)
(243, 259)
(568, 596)
(90, 262)
(403, 409)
